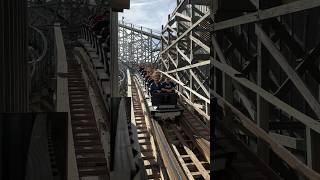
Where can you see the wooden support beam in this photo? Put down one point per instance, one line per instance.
(200, 111)
(190, 66)
(201, 44)
(282, 152)
(263, 108)
(201, 57)
(170, 29)
(296, 80)
(183, 55)
(240, 45)
(278, 125)
(200, 83)
(315, 53)
(172, 60)
(182, 4)
(186, 32)
(139, 31)
(268, 13)
(308, 121)
(163, 38)
(186, 87)
(284, 35)
(241, 92)
(290, 142)
(182, 17)
(200, 2)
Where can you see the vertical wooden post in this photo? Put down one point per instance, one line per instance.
(263, 110)
(114, 54)
(14, 75)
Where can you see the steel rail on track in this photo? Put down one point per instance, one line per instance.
(190, 158)
(198, 132)
(183, 145)
(144, 137)
(173, 168)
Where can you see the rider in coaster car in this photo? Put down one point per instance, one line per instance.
(99, 25)
(148, 76)
(104, 33)
(141, 68)
(99, 21)
(151, 79)
(167, 86)
(155, 86)
(97, 16)
(145, 71)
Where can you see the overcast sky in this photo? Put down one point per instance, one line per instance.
(149, 13)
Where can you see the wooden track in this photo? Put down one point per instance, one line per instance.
(146, 148)
(184, 145)
(90, 155)
(190, 158)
